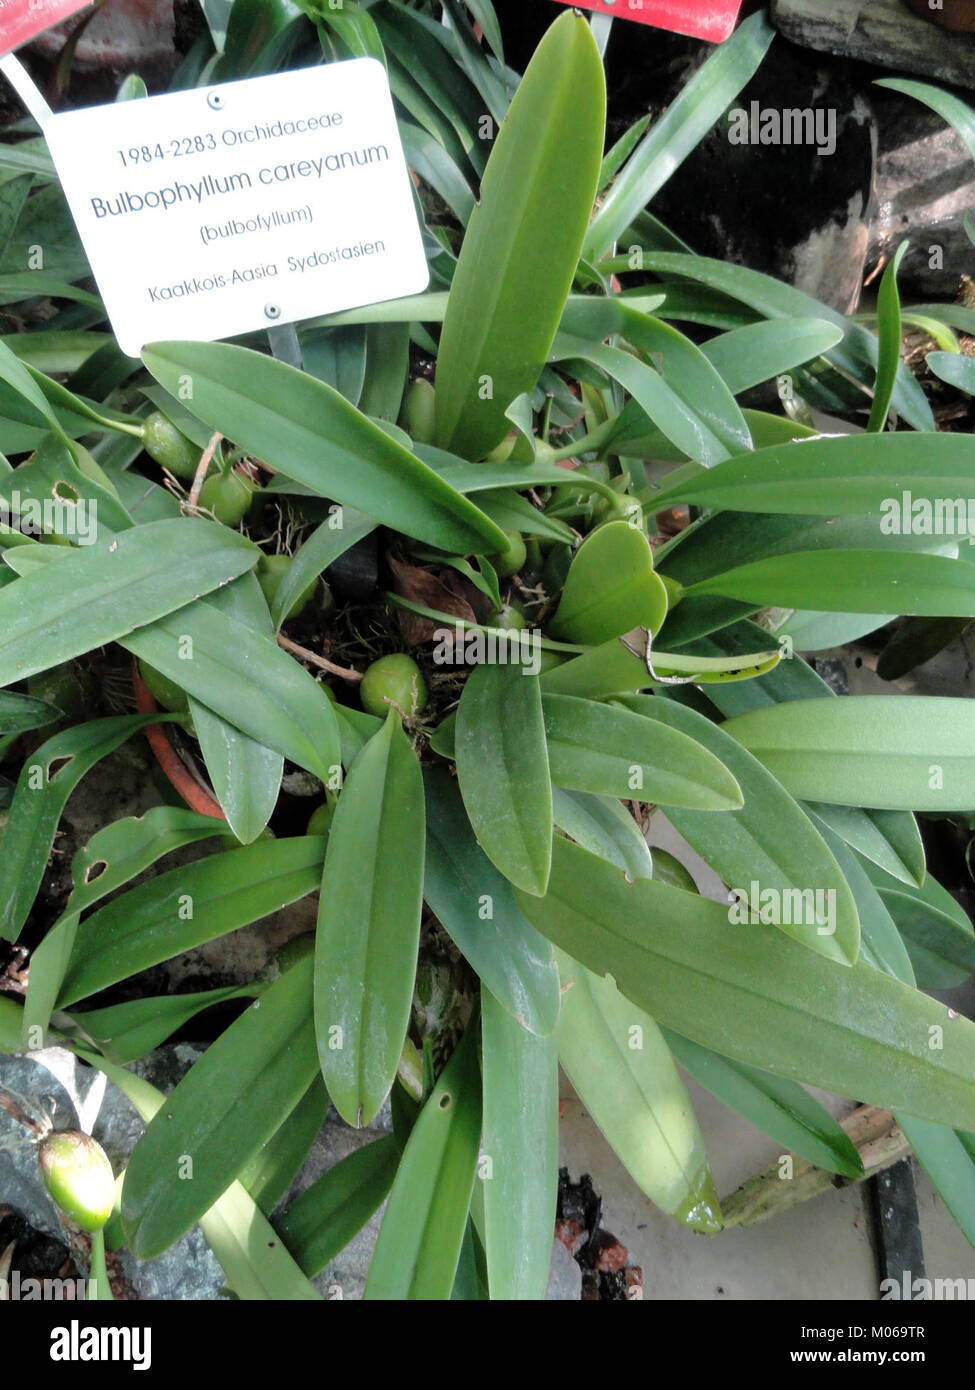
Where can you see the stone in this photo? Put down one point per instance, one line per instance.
(564, 1277)
(883, 32)
(925, 186)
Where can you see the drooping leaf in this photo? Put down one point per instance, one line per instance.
(322, 1220)
(752, 994)
(502, 768)
(622, 1070)
(369, 924)
(476, 906)
(229, 1103)
(521, 1141)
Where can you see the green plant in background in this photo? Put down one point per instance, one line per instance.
(493, 812)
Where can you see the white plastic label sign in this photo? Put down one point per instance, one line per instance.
(214, 212)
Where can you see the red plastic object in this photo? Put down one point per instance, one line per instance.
(699, 19)
(23, 20)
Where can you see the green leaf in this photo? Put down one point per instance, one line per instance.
(956, 370)
(622, 1070)
(100, 593)
(307, 431)
(756, 996)
(502, 767)
(777, 1107)
(947, 1161)
(770, 844)
(269, 1175)
(890, 331)
(188, 906)
(611, 588)
(521, 1140)
(112, 857)
(602, 826)
(420, 1239)
(950, 107)
(523, 241)
(476, 906)
(244, 772)
(21, 713)
(915, 753)
(229, 1104)
(936, 931)
(867, 581)
(257, 1265)
(319, 1223)
(46, 781)
(747, 356)
(369, 924)
(889, 839)
(835, 475)
(322, 548)
(125, 1032)
(618, 752)
(246, 678)
(671, 139)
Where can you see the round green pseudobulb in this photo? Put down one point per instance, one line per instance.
(166, 444)
(79, 1177)
(393, 682)
(510, 560)
(271, 570)
(228, 496)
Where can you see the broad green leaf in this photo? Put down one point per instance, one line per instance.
(521, 1141)
(855, 356)
(475, 905)
(420, 1239)
(915, 753)
(245, 773)
(769, 844)
(322, 1220)
(502, 768)
(125, 1032)
(622, 1070)
(21, 713)
(112, 857)
(747, 356)
(752, 994)
(779, 1108)
(369, 924)
(523, 241)
(322, 548)
(863, 581)
(230, 1103)
(270, 1174)
(949, 1164)
(98, 594)
(604, 827)
(618, 752)
(257, 1265)
(703, 101)
(188, 906)
(46, 781)
(307, 431)
(889, 839)
(835, 475)
(936, 930)
(247, 679)
(611, 588)
(955, 369)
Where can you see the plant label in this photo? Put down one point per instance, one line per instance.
(23, 20)
(214, 212)
(700, 19)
